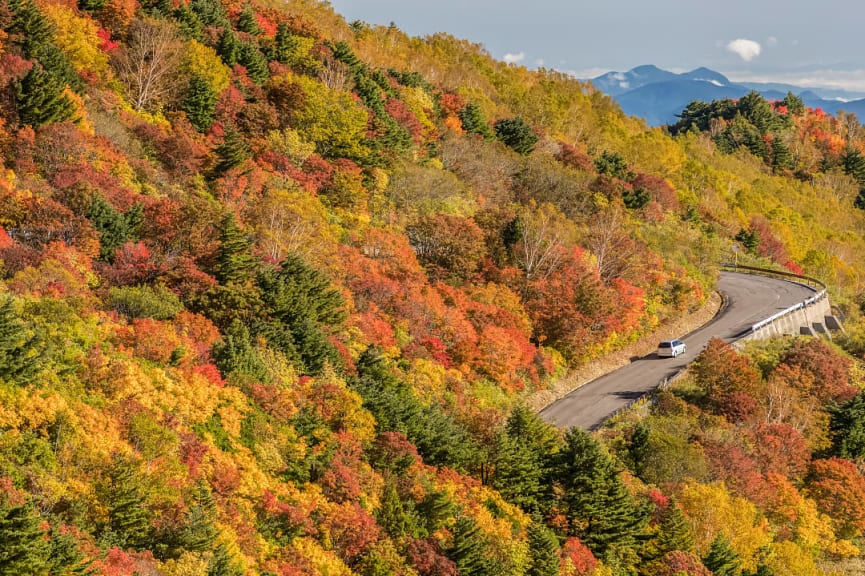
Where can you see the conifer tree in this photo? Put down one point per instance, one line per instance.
(847, 428)
(251, 58)
(21, 354)
(246, 21)
(64, 556)
(228, 47)
(638, 449)
(236, 353)
(782, 159)
(24, 550)
(516, 135)
(674, 532)
(473, 121)
(200, 531)
(200, 103)
(231, 153)
(210, 13)
(188, 22)
(468, 548)
(115, 229)
(41, 99)
(235, 262)
(284, 44)
(597, 501)
(124, 496)
(543, 548)
(34, 29)
(721, 559)
(222, 564)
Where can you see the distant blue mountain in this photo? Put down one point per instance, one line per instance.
(659, 95)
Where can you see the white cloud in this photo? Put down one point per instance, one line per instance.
(746, 49)
(514, 58)
(853, 80)
(771, 41)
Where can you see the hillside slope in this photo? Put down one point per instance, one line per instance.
(274, 286)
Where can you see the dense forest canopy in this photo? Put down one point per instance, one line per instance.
(276, 290)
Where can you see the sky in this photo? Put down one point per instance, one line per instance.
(794, 41)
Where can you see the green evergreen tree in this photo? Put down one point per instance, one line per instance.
(473, 121)
(635, 198)
(304, 308)
(236, 353)
(435, 509)
(468, 548)
(124, 496)
(674, 532)
(41, 100)
(235, 262)
(231, 153)
(757, 111)
(210, 13)
(200, 531)
(222, 564)
(516, 135)
(22, 354)
(397, 516)
(200, 103)
(188, 22)
(228, 47)
(24, 549)
(517, 473)
(284, 44)
(595, 499)
(847, 428)
(638, 449)
(115, 229)
(853, 164)
(246, 21)
(721, 559)
(64, 555)
(795, 105)
(612, 164)
(543, 548)
(749, 239)
(782, 159)
(251, 58)
(32, 27)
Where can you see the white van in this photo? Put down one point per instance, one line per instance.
(671, 348)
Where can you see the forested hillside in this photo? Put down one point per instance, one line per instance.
(276, 287)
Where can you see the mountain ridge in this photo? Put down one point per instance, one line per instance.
(657, 95)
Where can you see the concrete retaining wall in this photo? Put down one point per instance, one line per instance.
(813, 319)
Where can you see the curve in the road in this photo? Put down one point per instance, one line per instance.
(748, 299)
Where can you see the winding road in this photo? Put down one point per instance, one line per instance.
(748, 299)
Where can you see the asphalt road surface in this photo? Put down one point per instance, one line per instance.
(748, 299)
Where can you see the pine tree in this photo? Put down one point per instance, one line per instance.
(246, 21)
(435, 509)
(124, 495)
(721, 559)
(236, 354)
(544, 549)
(200, 103)
(228, 47)
(638, 449)
(251, 58)
(782, 159)
(516, 135)
(222, 564)
(473, 121)
(200, 531)
(21, 354)
(115, 229)
(847, 428)
(468, 548)
(24, 550)
(397, 516)
(674, 532)
(34, 28)
(188, 22)
(517, 473)
(64, 556)
(596, 500)
(284, 44)
(210, 13)
(231, 153)
(235, 262)
(41, 99)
